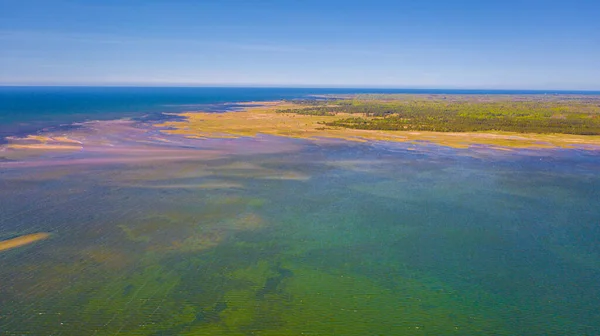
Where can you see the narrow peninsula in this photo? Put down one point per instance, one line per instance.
(450, 120)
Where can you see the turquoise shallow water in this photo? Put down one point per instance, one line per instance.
(291, 237)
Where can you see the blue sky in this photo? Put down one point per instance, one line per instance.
(511, 44)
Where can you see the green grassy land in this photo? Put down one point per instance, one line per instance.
(437, 113)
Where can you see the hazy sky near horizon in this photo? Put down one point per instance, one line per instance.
(527, 44)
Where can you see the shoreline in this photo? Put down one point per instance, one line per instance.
(252, 119)
(264, 119)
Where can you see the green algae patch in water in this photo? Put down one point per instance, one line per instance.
(138, 302)
(282, 301)
(343, 304)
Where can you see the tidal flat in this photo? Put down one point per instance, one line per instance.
(156, 231)
(344, 121)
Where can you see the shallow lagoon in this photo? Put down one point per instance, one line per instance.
(274, 236)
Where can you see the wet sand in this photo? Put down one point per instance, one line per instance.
(124, 142)
(22, 240)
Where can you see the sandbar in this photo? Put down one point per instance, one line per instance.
(264, 119)
(22, 240)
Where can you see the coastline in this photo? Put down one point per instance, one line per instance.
(263, 118)
(251, 119)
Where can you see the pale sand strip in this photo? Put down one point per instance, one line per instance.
(22, 240)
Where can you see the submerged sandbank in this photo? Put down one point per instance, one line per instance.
(22, 240)
(265, 119)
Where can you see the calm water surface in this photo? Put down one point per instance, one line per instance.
(156, 235)
(318, 239)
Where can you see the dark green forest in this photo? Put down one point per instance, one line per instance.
(441, 113)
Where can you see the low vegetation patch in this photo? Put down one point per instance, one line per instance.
(525, 114)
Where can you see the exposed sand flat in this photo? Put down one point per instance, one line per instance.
(37, 140)
(22, 240)
(33, 145)
(208, 186)
(264, 119)
(43, 146)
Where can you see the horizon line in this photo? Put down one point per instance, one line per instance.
(307, 86)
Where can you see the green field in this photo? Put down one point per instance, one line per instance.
(475, 113)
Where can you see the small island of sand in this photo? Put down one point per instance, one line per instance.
(22, 240)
